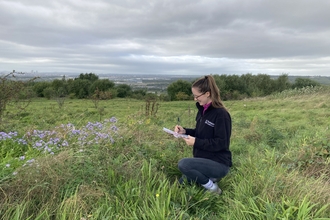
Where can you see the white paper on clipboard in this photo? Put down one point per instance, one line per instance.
(175, 134)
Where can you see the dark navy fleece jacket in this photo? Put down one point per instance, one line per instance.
(212, 133)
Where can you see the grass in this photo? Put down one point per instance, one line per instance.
(281, 157)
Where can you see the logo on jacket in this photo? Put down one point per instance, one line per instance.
(209, 123)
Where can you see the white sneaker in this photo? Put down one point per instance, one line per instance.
(215, 189)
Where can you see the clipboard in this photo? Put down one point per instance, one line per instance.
(175, 134)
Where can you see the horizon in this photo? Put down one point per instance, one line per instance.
(55, 73)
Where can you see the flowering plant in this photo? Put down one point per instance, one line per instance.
(52, 141)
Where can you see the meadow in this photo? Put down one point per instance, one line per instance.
(115, 162)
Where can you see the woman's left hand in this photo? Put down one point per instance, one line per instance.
(189, 140)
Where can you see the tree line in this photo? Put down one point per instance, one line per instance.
(89, 86)
(84, 86)
(235, 87)
(232, 87)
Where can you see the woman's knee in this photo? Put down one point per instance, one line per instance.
(183, 164)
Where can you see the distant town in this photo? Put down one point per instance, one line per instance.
(151, 82)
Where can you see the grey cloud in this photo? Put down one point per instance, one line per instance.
(166, 36)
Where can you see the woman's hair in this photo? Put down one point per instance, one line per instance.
(207, 84)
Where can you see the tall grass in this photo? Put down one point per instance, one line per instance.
(280, 153)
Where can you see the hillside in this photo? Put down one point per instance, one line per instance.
(80, 162)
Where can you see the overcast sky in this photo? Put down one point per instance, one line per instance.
(189, 37)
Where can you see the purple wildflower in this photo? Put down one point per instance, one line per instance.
(113, 120)
(76, 132)
(30, 161)
(38, 144)
(22, 141)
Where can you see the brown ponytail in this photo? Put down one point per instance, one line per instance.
(207, 84)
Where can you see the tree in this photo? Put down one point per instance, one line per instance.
(179, 86)
(304, 82)
(264, 84)
(139, 93)
(59, 85)
(123, 90)
(182, 96)
(233, 83)
(282, 83)
(248, 84)
(88, 76)
(102, 85)
(39, 87)
(80, 87)
(48, 92)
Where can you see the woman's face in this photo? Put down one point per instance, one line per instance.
(201, 98)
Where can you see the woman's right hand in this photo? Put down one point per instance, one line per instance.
(179, 129)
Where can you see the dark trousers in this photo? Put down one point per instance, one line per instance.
(200, 170)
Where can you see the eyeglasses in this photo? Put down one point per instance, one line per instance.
(197, 96)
